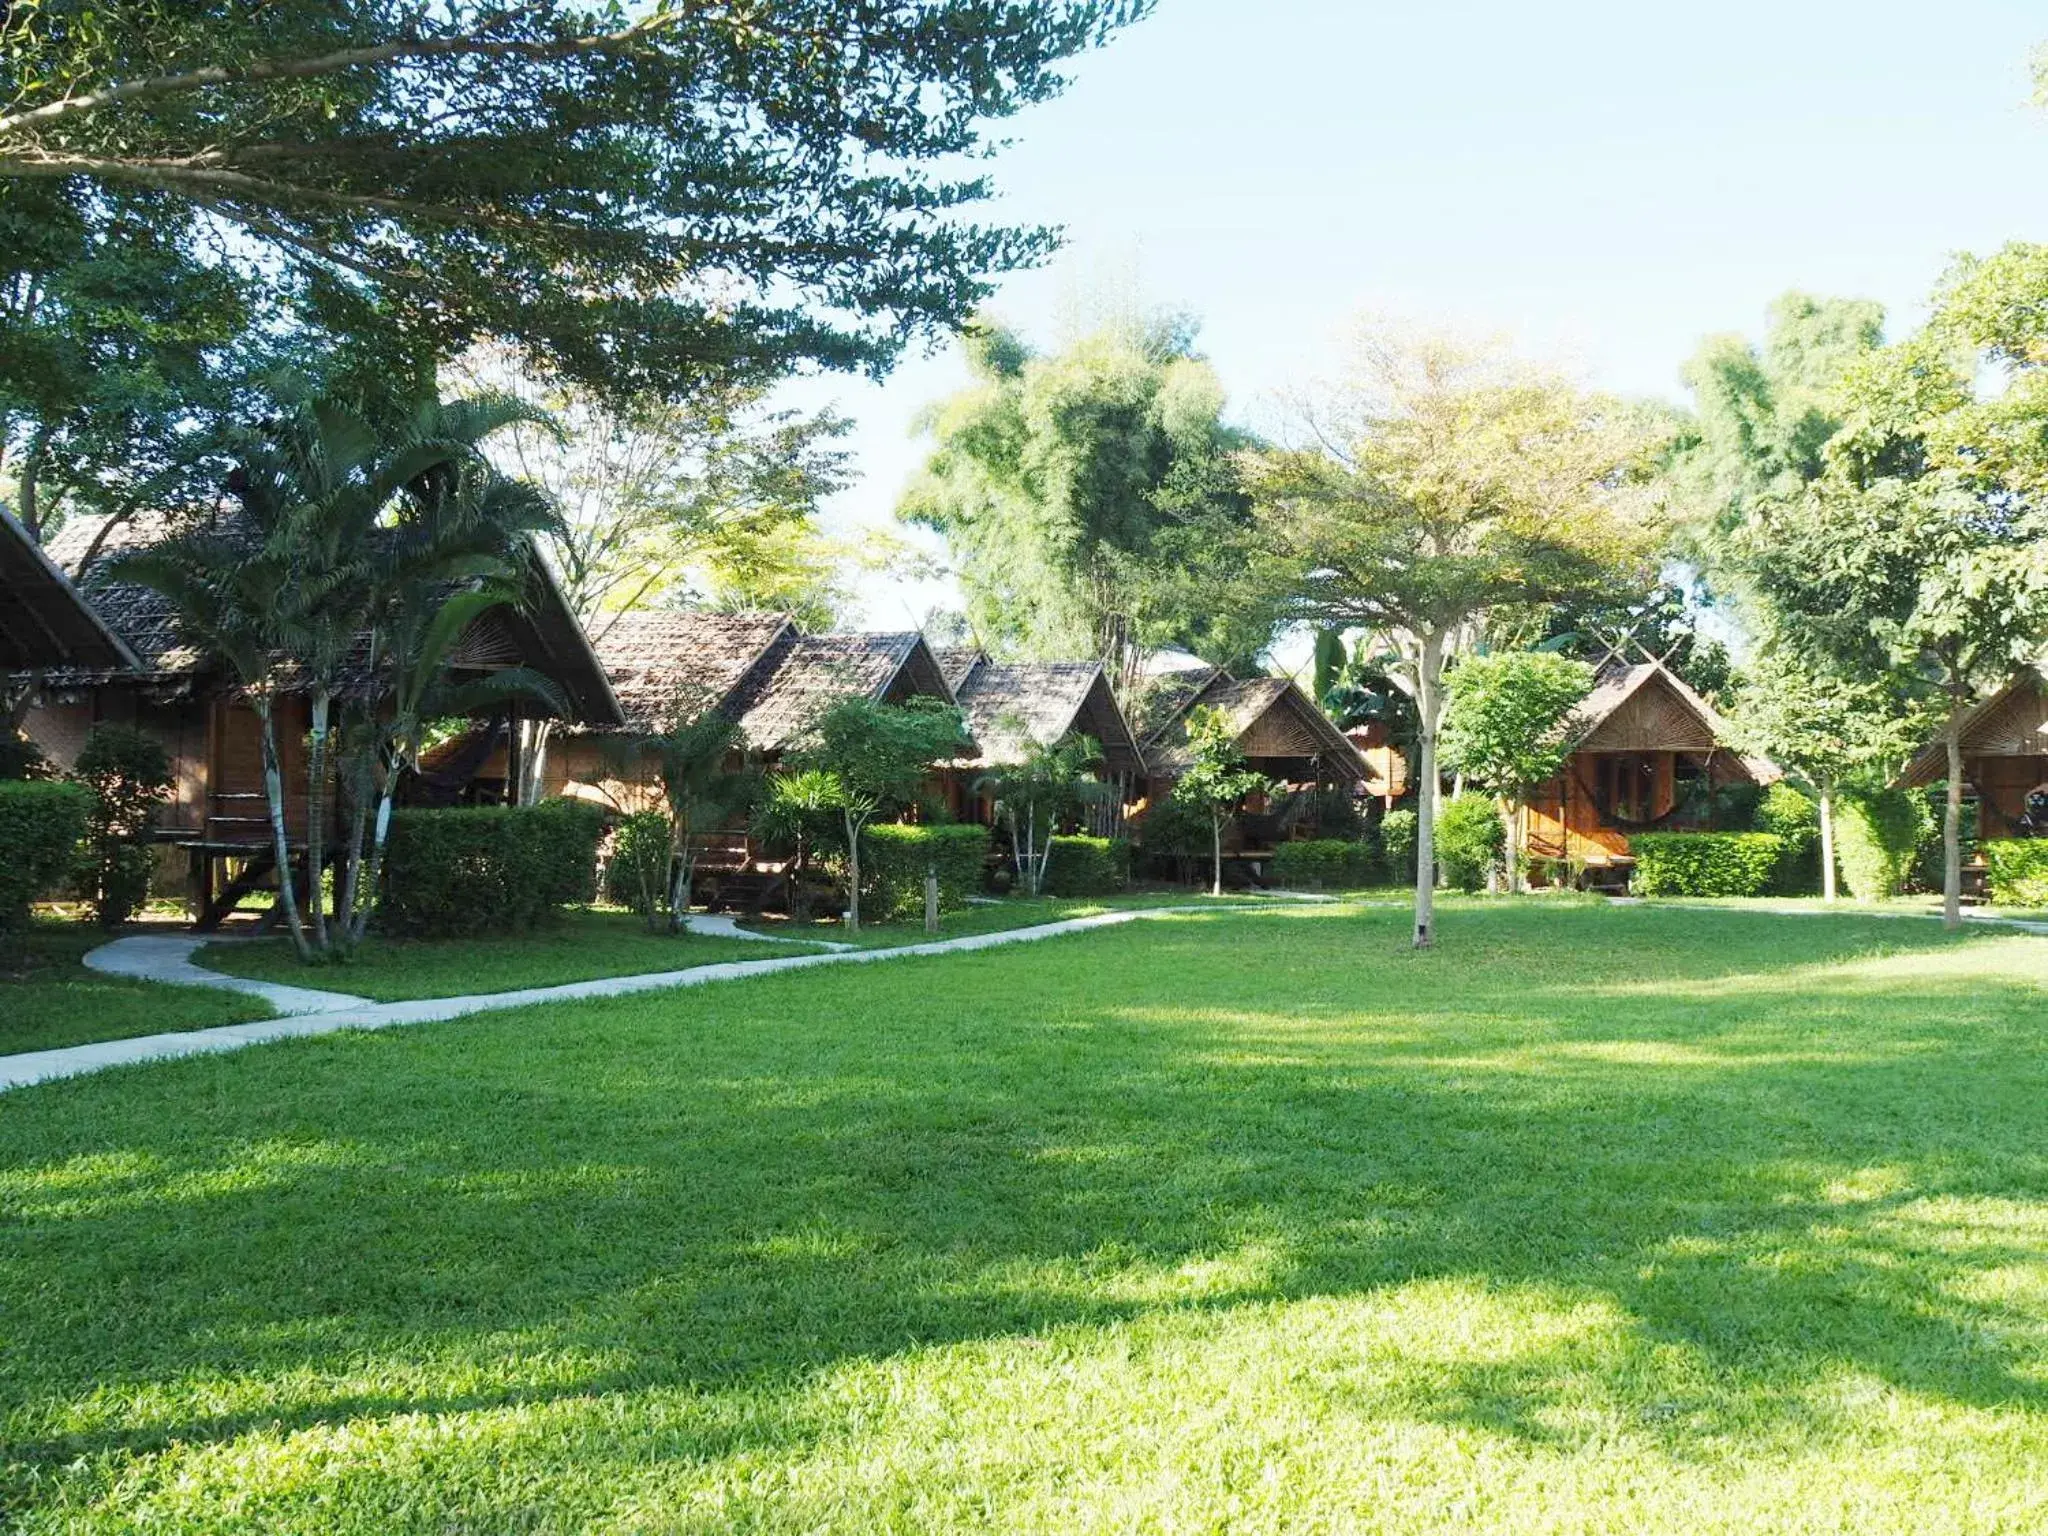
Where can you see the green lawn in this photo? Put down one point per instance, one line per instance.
(998, 915)
(48, 999)
(581, 946)
(1593, 1220)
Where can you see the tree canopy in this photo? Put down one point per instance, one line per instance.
(1091, 500)
(1441, 482)
(636, 196)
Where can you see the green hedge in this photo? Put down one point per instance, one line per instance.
(1469, 838)
(1705, 863)
(493, 869)
(1087, 866)
(41, 823)
(1877, 833)
(1324, 863)
(893, 860)
(1397, 846)
(1794, 818)
(2016, 871)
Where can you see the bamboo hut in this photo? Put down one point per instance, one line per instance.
(2005, 759)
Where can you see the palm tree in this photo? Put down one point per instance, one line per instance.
(222, 589)
(699, 791)
(1035, 795)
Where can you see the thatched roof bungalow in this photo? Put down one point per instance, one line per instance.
(1648, 754)
(2005, 758)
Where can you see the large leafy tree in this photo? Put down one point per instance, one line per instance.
(1091, 500)
(1441, 482)
(635, 195)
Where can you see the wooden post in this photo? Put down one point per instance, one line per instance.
(931, 899)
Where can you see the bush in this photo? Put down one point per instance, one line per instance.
(41, 823)
(1469, 838)
(1172, 835)
(1876, 835)
(1087, 866)
(637, 865)
(495, 869)
(1927, 873)
(1324, 863)
(1794, 819)
(893, 861)
(2016, 871)
(21, 758)
(129, 775)
(1705, 863)
(1397, 846)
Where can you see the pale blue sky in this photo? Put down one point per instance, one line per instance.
(1605, 180)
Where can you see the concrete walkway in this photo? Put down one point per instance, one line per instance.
(167, 958)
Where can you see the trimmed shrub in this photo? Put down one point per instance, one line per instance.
(1087, 866)
(1876, 835)
(637, 864)
(1794, 819)
(893, 860)
(493, 869)
(41, 823)
(1397, 846)
(1172, 835)
(1469, 838)
(2016, 871)
(1705, 863)
(129, 775)
(1324, 863)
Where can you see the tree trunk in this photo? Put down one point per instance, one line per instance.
(316, 818)
(1827, 843)
(1216, 845)
(351, 886)
(535, 760)
(379, 836)
(681, 866)
(852, 872)
(1952, 828)
(273, 790)
(1511, 817)
(1429, 663)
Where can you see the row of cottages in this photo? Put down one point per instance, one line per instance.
(151, 679)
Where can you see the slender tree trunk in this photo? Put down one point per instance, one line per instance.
(1216, 849)
(540, 734)
(852, 872)
(1827, 843)
(379, 836)
(273, 791)
(1952, 828)
(1511, 818)
(351, 886)
(1429, 663)
(681, 866)
(316, 818)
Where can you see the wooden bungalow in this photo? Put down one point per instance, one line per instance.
(1012, 707)
(218, 811)
(1386, 765)
(2005, 760)
(1648, 755)
(1282, 734)
(45, 623)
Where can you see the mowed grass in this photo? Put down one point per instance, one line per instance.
(1593, 1220)
(49, 999)
(578, 946)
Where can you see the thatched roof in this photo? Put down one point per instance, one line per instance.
(662, 662)
(2013, 722)
(958, 661)
(1011, 706)
(44, 621)
(541, 633)
(1270, 717)
(1646, 707)
(801, 676)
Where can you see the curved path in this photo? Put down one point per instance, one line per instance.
(167, 958)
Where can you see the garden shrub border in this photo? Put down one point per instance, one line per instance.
(1706, 863)
(42, 822)
(894, 858)
(1325, 863)
(488, 869)
(1087, 866)
(2016, 871)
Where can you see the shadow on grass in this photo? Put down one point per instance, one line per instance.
(1700, 1173)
